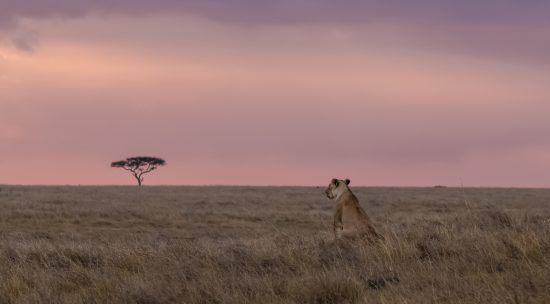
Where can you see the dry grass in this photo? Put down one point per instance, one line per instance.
(271, 245)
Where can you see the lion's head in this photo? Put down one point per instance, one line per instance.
(336, 188)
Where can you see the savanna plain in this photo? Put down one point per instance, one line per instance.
(271, 245)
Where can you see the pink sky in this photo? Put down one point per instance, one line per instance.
(276, 93)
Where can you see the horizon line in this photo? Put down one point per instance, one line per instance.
(272, 185)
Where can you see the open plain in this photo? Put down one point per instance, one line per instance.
(271, 245)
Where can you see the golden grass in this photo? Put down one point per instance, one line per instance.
(271, 245)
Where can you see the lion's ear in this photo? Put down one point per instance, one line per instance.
(334, 181)
(347, 181)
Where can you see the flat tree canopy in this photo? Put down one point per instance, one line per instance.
(139, 165)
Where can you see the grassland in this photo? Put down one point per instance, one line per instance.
(271, 245)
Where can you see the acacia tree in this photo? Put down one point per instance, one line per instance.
(139, 165)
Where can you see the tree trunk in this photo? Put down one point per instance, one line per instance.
(138, 180)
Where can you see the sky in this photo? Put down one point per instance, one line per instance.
(286, 92)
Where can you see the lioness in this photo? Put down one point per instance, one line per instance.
(350, 220)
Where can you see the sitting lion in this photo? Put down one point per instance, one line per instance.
(350, 220)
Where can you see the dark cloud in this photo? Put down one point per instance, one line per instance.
(505, 29)
(26, 43)
(294, 11)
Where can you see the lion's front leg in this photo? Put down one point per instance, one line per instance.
(338, 225)
(338, 230)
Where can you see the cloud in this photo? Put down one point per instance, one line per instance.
(26, 43)
(293, 11)
(505, 29)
